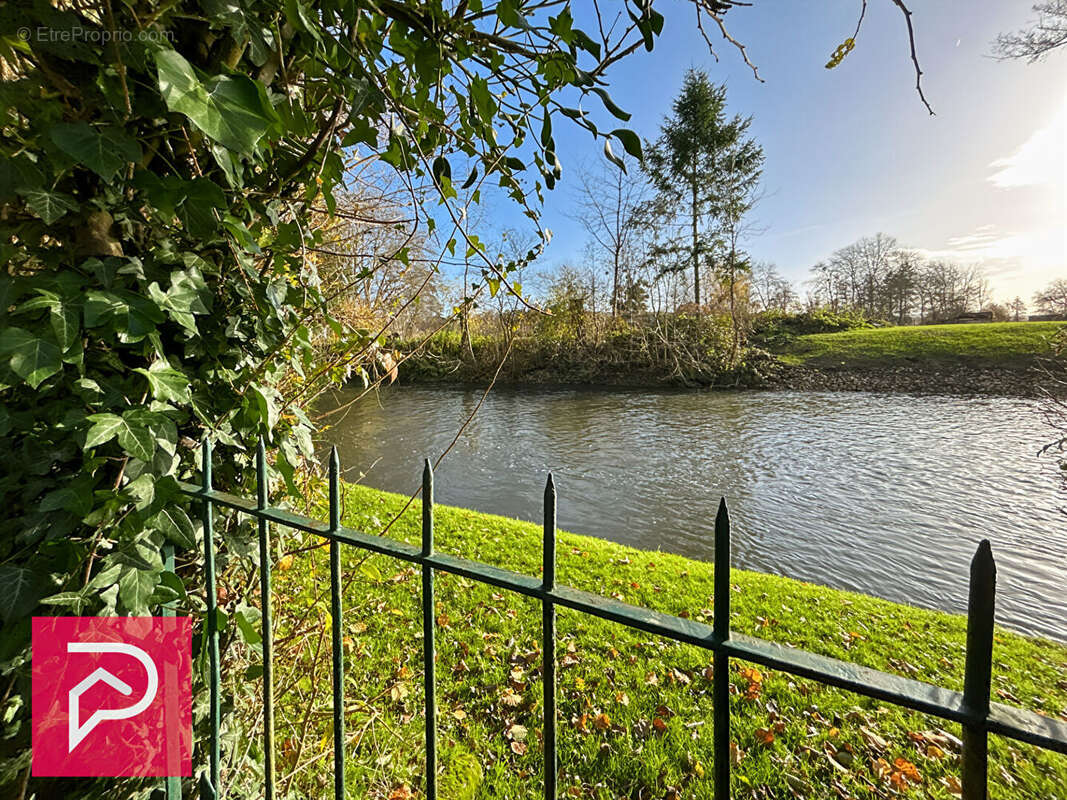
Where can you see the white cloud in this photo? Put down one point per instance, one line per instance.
(1017, 262)
(1039, 160)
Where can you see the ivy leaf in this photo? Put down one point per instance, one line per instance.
(66, 320)
(135, 587)
(166, 382)
(20, 589)
(105, 428)
(268, 410)
(48, 205)
(134, 438)
(174, 523)
(75, 600)
(105, 153)
(227, 108)
(77, 500)
(32, 359)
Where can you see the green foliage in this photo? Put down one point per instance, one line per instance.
(776, 328)
(157, 200)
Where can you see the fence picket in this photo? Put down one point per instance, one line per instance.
(429, 651)
(336, 633)
(977, 673)
(721, 660)
(266, 623)
(548, 644)
(214, 673)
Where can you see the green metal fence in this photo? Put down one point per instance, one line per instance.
(971, 707)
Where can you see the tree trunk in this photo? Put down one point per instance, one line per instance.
(615, 287)
(733, 309)
(696, 259)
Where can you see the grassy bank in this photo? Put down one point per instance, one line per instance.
(996, 344)
(635, 712)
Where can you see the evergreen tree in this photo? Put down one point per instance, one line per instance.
(704, 168)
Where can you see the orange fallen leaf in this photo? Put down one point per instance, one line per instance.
(764, 736)
(751, 674)
(952, 783)
(602, 721)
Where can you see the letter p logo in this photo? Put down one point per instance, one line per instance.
(86, 670)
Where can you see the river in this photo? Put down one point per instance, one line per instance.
(878, 493)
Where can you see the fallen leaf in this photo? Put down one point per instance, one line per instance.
(952, 783)
(736, 754)
(517, 732)
(874, 740)
(910, 771)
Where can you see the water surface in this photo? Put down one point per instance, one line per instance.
(882, 494)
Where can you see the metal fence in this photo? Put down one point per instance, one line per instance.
(971, 707)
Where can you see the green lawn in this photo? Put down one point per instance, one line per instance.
(981, 343)
(635, 711)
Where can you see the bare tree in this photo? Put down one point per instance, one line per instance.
(1053, 298)
(608, 201)
(1040, 38)
(770, 290)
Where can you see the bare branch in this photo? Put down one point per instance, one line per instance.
(914, 58)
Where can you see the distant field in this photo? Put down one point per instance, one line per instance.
(1001, 343)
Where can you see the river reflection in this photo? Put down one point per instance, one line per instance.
(883, 494)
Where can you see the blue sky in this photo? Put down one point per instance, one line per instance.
(852, 151)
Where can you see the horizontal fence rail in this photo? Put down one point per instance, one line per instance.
(971, 708)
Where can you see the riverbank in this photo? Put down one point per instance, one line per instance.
(990, 359)
(1004, 358)
(634, 711)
